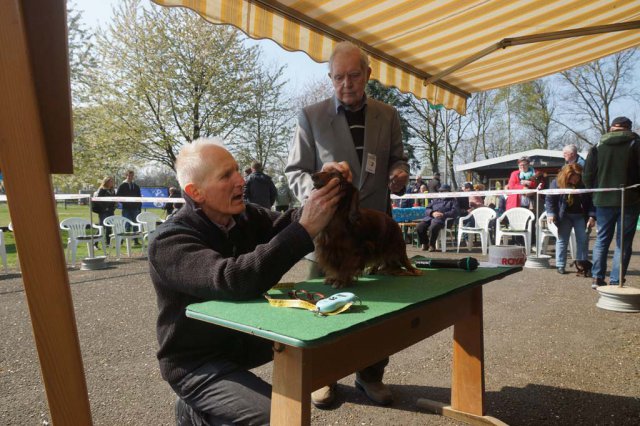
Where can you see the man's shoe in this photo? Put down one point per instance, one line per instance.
(424, 247)
(432, 248)
(377, 392)
(561, 271)
(324, 397)
(597, 282)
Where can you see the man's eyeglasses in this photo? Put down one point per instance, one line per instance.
(353, 76)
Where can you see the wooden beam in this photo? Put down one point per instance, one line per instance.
(25, 166)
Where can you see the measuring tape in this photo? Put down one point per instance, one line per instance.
(331, 305)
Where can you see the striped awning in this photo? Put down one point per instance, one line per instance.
(441, 50)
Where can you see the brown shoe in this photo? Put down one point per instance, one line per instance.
(324, 397)
(424, 247)
(377, 392)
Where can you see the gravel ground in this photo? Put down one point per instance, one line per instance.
(551, 356)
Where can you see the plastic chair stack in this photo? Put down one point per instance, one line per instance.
(520, 225)
(80, 230)
(482, 218)
(119, 226)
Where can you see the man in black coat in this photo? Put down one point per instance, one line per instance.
(218, 248)
(129, 188)
(437, 212)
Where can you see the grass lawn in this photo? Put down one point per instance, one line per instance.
(71, 209)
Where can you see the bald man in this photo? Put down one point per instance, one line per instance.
(218, 248)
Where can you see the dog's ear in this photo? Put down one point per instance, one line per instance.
(354, 202)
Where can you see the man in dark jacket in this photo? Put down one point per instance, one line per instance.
(434, 184)
(259, 188)
(614, 162)
(437, 212)
(216, 247)
(129, 188)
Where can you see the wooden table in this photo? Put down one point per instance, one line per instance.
(396, 312)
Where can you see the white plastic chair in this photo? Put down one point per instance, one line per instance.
(149, 222)
(482, 217)
(118, 224)
(446, 232)
(548, 230)
(520, 224)
(79, 230)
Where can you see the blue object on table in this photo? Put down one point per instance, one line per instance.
(408, 214)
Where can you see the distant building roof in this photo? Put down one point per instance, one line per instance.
(538, 157)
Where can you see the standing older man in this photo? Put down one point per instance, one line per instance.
(216, 247)
(366, 134)
(613, 163)
(570, 154)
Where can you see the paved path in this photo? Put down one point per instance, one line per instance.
(552, 357)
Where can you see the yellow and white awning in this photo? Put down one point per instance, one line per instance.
(441, 50)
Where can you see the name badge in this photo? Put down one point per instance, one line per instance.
(371, 163)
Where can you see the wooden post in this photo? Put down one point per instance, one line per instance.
(25, 165)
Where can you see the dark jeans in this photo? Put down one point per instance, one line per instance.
(224, 392)
(608, 220)
(429, 231)
(131, 213)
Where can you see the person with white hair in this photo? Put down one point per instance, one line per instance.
(570, 154)
(366, 134)
(216, 247)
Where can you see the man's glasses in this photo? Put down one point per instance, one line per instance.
(353, 76)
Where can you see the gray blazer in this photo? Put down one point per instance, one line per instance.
(323, 135)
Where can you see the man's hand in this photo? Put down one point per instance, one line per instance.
(320, 208)
(437, 214)
(398, 180)
(551, 219)
(591, 222)
(341, 167)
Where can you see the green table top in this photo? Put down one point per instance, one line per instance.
(380, 296)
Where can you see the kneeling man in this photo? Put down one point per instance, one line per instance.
(216, 247)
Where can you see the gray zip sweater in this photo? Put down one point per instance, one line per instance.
(192, 260)
(615, 161)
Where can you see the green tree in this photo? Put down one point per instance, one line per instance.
(535, 112)
(167, 78)
(265, 133)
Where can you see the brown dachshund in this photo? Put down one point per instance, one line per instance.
(358, 238)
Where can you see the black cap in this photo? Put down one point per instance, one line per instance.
(621, 122)
(445, 188)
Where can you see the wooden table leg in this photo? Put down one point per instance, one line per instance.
(291, 394)
(467, 383)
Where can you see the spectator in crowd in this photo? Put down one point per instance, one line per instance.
(492, 201)
(259, 188)
(463, 202)
(614, 162)
(570, 211)
(208, 250)
(437, 212)
(476, 201)
(413, 188)
(169, 208)
(523, 178)
(434, 183)
(570, 154)
(129, 188)
(247, 172)
(105, 208)
(285, 197)
(333, 129)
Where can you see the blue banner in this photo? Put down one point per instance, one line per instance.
(153, 191)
